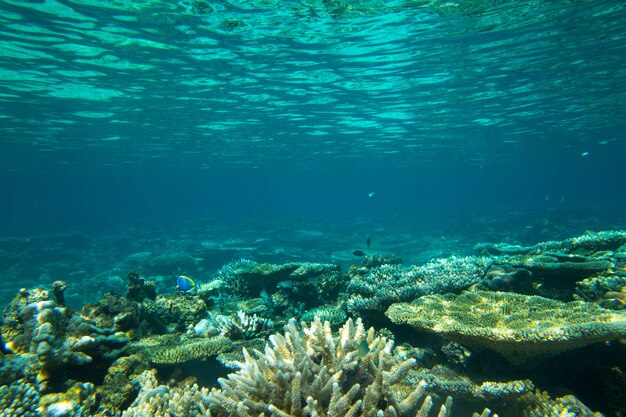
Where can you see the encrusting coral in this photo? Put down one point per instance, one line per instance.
(519, 327)
(310, 372)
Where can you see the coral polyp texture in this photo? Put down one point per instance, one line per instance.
(311, 372)
(173, 349)
(19, 399)
(387, 284)
(519, 327)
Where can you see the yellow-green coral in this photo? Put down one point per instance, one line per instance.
(517, 326)
(174, 349)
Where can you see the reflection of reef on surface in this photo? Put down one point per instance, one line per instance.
(162, 352)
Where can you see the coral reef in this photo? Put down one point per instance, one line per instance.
(446, 381)
(235, 327)
(608, 291)
(162, 400)
(506, 278)
(244, 278)
(589, 242)
(382, 286)
(52, 338)
(138, 289)
(180, 309)
(19, 399)
(336, 316)
(541, 405)
(118, 388)
(308, 371)
(519, 327)
(78, 401)
(158, 354)
(176, 349)
(561, 264)
(373, 261)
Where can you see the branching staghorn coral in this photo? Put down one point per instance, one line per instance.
(519, 327)
(311, 372)
(333, 314)
(164, 401)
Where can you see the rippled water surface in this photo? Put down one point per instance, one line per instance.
(241, 83)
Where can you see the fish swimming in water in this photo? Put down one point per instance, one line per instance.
(184, 283)
(358, 253)
(368, 241)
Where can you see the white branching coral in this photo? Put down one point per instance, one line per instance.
(164, 401)
(311, 372)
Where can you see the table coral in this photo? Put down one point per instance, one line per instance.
(447, 381)
(517, 326)
(388, 284)
(176, 349)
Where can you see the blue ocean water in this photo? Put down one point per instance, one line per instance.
(411, 121)
(159, 138)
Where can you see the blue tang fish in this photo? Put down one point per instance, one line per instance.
(184, 283)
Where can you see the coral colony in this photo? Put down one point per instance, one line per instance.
(458, 336)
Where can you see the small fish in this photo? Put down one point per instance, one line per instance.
(584, 154)
(358, 253)
(363, 349)
(370, 195)
(184, 283)
(368, 242)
